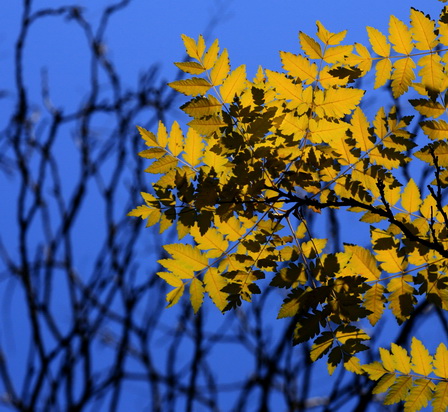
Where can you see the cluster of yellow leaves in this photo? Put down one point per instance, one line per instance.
(256, 152)
(414, 379)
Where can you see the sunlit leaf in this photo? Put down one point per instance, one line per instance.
(421, 359)
(233, 84)
(191, 87)
(299, 66)
(410, 199)
(379, 42)
(441, 361)
(400, 36)
(214, 283)
(422, 30)
(221, 69)
(196, 294)
(419, 395)
(440, 400)
(402, 76)
(188, 254)
(191, 67)
(310, 46)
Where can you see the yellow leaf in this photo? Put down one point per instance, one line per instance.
(334, 135)
(360, 130)
(202, 106)
(379, 42)
(162, 165)
(310, 46)
(375, 370)
(284, 86)
(391, 262)
(216, 161)
(153, 153)
(435, 129)
(400, 298)
(233, 84)
(399, 390)
(327, 80)
(144, 212)
(175, 140)
(167, 180)
(200, 46)
(337, 54)
(196, 294)
(182, 230)
(194, 147)
(374, 301)
(326, 131)
(191, 87)
(214, 283)
(149, 198)
(419, 395)
(440, 399)
(191, 67)
(331, 39)
(344, 336)
(191, 47)
(401, 359)
(297, 125)
(313, 247)
(363, 263)
(164, 223)
(441, 362)
(400, 36)
(443, 32)
(149, 138)
(380, 124)
(173, 297)
(427, 107)
(363, 61)
(259, 76)
(389, 160)
(440, 150)
(162, 135)
(410, 199)
(422, 30)
(402, 76)
(212, 241)
(319, 348)
(341, 101)
(207, 126)
(384, 383)
(211, 55)
(421, 359)
(232, 228)
(387, 359)
(220, 69)
(365, 177)
(178, 268)
(382, 72)
(353, 365)
(432, 73)
(187, 254)
(171, 279)
(299, 66)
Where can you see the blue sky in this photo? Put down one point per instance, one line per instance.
(148, 33)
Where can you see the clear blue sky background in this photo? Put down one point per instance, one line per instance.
(148, 32)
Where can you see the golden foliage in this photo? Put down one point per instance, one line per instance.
(235, 180)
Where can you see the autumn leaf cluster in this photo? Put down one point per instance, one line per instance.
(259, 156)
